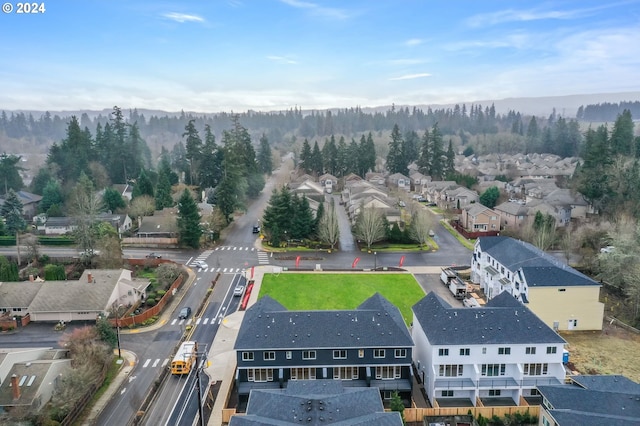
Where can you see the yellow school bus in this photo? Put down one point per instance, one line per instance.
(185, 358)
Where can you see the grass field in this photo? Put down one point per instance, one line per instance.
(341, 291)
(610, 351)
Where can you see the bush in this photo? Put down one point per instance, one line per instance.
(160, 293)
(150, 301)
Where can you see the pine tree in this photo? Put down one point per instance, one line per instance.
(264, 155)
(449, 167)
(395, 161)
(113, 200)
(316, 160)
(11, 210)
(437, 152)
(210, 170)
(330, 156)
(424, 160)
(189, 231)
(622, 139)
(10, 172)
(194, 149)
(305, 157)
(52, 194)
(163, 192)
(343, 158)
(143, 186)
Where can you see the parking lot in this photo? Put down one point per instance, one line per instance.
(431, 282)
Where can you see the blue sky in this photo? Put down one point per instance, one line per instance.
(223, 55)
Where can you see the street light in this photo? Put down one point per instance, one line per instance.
(375, 260)
(118, 328)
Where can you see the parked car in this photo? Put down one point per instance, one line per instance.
(200, 264)
(89, 253)
(184, 313)
(431, 233)
(238, 291)
(154, 256)
(256, 229)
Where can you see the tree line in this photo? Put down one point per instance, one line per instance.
(607, 111)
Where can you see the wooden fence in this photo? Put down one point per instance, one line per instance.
(150, 242)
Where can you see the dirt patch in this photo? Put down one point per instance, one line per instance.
(613, 350)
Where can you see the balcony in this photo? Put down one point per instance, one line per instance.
(452, 383)
(497, 382)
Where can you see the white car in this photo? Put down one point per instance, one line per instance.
(238, 291)
(607, 249)
(200, 264)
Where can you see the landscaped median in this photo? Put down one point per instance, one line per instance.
(319, 291)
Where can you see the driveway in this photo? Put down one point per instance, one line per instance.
(346, 238)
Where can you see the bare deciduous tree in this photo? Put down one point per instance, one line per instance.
(421, 224)
(328, 228)
(370, 226)
(143, 205)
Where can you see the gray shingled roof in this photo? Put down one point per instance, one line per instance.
(501, 321)
(18, 294)
(575, 405)
(514, 209)
(77, 296)
(539, 268)
(316, 402)
(607, 383)
(375, 323)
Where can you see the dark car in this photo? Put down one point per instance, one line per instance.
(154, 256)
(256, 229)
(184, 313)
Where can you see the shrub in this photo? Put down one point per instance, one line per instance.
(150, 302)
(160, 293)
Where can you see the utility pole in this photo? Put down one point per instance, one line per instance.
(200, 363)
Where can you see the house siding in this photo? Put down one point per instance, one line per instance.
(573, 303)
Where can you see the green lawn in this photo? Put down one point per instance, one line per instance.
(341, 291)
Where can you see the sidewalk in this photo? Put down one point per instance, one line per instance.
(130, 359)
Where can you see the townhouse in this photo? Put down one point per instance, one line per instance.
(369, 346)
(473, 356)
(562, 297)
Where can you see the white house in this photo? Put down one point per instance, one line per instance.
(500, 351)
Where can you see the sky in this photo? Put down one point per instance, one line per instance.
(269, 55)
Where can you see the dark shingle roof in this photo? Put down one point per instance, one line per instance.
(539, 268)
(607, 383)
(575, 405)
(375, 323)
(501, 321)
(316, 402)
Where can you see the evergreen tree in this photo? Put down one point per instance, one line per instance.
(343, 158)
(194, 150)
(490, 197)
(305, 157)
(622, 139)
(52, 194)
(316, 160)
(437, 153)
(410, 145)
(11, 210)
(189, 231)
(366, 157)
(143, 186)
(355, 165)
(179, 161)
(8, 270)
(424, 159)
(330, 156)
(211, 164)
(164, 167)
(116, 162)
(277, 218)
(449, 166)
(592, 178)
(113, 200)
(73, 154)
(303, 222)
(10, 172)
(395, 160)
(163, 192)
(264, 155)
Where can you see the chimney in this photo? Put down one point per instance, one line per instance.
(89, 278)
(15, 388)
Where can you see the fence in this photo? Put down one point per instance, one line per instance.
(151, 312)
(150, 241)
(472, 235)
(418, 414)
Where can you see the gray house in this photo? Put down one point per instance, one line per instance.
(369, 346)
(316, 402)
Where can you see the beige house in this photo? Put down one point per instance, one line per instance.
(478, 218)
(513, 215)
(97, 292)
(399, 181)
(562, 297)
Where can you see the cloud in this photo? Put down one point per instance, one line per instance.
(183, 17)
(281, 59)
(328, 12)
(406, 61)
(414, 42)
(512, 15)
(411, 76)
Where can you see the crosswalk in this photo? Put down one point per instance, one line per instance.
(234, 248)
(195, 321)
(263, 259)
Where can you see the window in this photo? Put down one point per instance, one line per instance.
(535, 392)
(562, 289)
(288, 354)
(386, 372)
(247, 356)
(340, 354)
(551, 349)
(303, 374)
(484, 351)
(530, 350)
(494, 392)
(545, 421)
(360, 353)
(453, 370)
(345, 373)
(260, 374)
(387, 394)
(446, 393)
(535, 369)
(378, 353)
(400, 353)
(269, 355)
(504, 351)
(443, 352)
(465, 351)
(493, 369)
(308, 355)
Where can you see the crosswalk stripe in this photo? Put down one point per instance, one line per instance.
(198, 320)
(155, 364)
(206, 320)
(174, 321)
(146, 363)
(165, 362)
